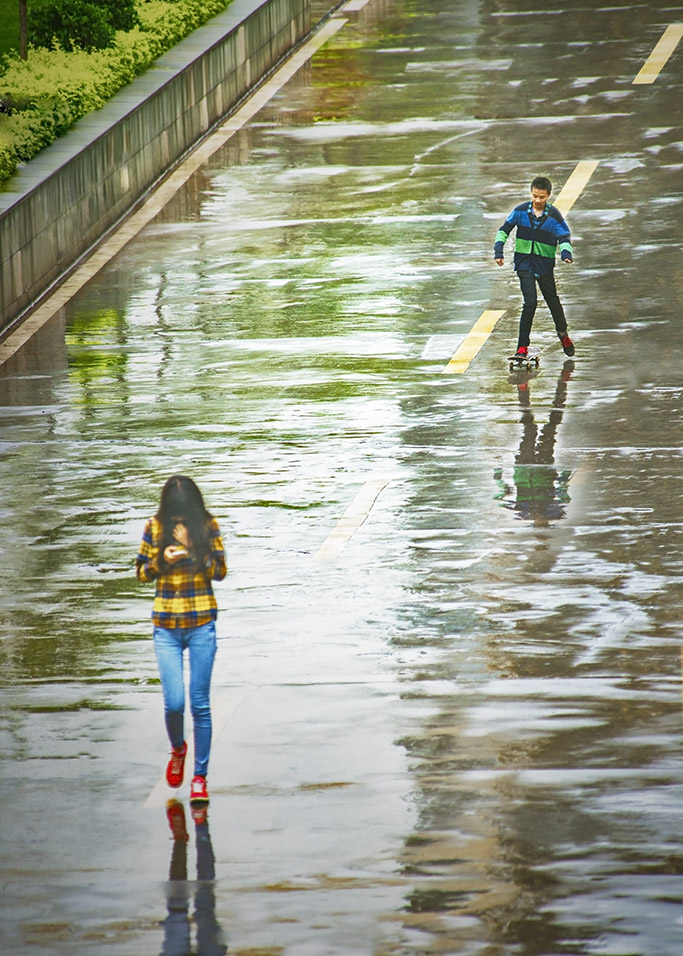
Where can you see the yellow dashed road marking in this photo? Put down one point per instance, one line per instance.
(483, 327)
(351, 520)
(574, 186)
(657, 60)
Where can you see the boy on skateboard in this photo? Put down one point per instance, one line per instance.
(540, 230)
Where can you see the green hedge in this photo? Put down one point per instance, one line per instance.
(52, 89)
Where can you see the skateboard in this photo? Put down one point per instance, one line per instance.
(530, 361)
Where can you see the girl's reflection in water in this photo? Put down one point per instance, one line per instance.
(177, 925)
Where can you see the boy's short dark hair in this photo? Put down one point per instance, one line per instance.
(542, 182)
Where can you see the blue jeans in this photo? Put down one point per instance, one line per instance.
(169, 647)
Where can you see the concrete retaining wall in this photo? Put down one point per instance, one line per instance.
(65, 199)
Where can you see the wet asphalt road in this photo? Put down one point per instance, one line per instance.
(460, 732)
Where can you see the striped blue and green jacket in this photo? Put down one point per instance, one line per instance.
(537, 239)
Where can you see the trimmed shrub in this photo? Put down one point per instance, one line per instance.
(88, 24)
(69, 24)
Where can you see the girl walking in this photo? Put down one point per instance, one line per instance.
(181, 549)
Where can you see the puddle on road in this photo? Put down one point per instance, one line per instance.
(464, 733)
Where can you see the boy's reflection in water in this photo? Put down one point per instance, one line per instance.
(177, 930)
(541, 492)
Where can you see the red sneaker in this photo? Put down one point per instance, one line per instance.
(198, 791)
(175, 813)
(522, 352)
(176, 767)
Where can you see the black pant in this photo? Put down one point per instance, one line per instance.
(527, 282)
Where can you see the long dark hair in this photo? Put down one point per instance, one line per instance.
(181, 498)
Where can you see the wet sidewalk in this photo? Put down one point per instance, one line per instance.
(447, 697)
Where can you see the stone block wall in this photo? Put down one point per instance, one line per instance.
(55, 209)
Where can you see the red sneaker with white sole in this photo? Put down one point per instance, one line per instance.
(198, 791)
(176, 767)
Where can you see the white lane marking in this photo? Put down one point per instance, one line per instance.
(221, 709)
(353, 6)
(351, 520)
(161, 195)
(659, 57)
(574, 186)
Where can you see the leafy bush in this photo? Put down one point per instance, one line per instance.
(122, 14)
(88, 24)
(68, 25)
(10, 104)
(54, 88)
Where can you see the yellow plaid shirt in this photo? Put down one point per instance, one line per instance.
(184, 596)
